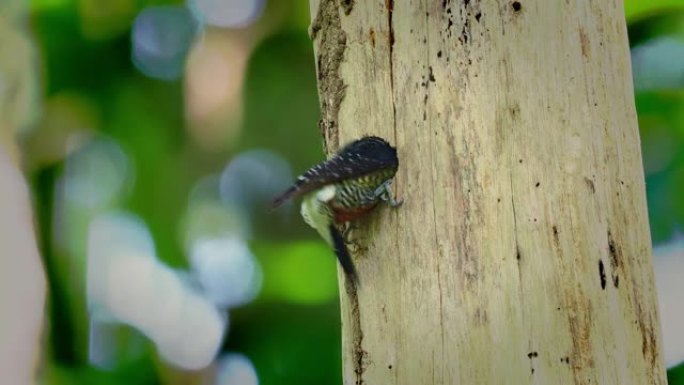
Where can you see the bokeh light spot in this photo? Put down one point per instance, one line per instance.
(126, 283)
(213, 93)
(668, 261)
(208, 217)
(228, 13)
(226, 270)
(162, 37)
(96, 174)
(235, 369)
(658, 65)
(253, 178)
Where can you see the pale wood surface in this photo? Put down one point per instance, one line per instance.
(522, 252)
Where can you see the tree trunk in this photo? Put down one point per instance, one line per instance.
(522, 252)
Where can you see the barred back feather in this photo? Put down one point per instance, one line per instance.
(362, 157)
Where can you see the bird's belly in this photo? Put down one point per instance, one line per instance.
(344, 214)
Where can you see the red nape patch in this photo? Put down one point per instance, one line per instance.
(344, 215)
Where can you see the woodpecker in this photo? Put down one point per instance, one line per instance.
(345, 187)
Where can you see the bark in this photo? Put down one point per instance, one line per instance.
(522, 252)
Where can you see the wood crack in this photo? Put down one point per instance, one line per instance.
(389, 4)
(356, 331)
(515, 221)
(331, 41)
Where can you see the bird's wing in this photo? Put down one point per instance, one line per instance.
(343, 166)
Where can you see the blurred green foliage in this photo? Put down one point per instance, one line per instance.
(675, 375)
(636, 9)
(86, 55)
(291, 332)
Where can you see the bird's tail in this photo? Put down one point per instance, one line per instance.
(343, 254)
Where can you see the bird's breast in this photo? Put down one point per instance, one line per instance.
(345, 214)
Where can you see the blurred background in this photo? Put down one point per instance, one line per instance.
(166, 126)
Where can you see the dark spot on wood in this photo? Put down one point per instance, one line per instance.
(517, 6)
(478, 16)
(389, 367)
(517, 255)
(431, 75)
(565, 360)
(347, 5)
(465, 32)
(371, 35)
(615, 259)
(480, 316)
(520, 161)
(531, 355)
(590, 184)
(580, 322)
(602, 274)
(645, 323)
(498, 200)
(439, 54)
(532, 370)
(584, 43)
(537, 184)
(389, 5)
(318, 66)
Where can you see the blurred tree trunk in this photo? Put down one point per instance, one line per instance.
(22, 282)
(522, 252)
